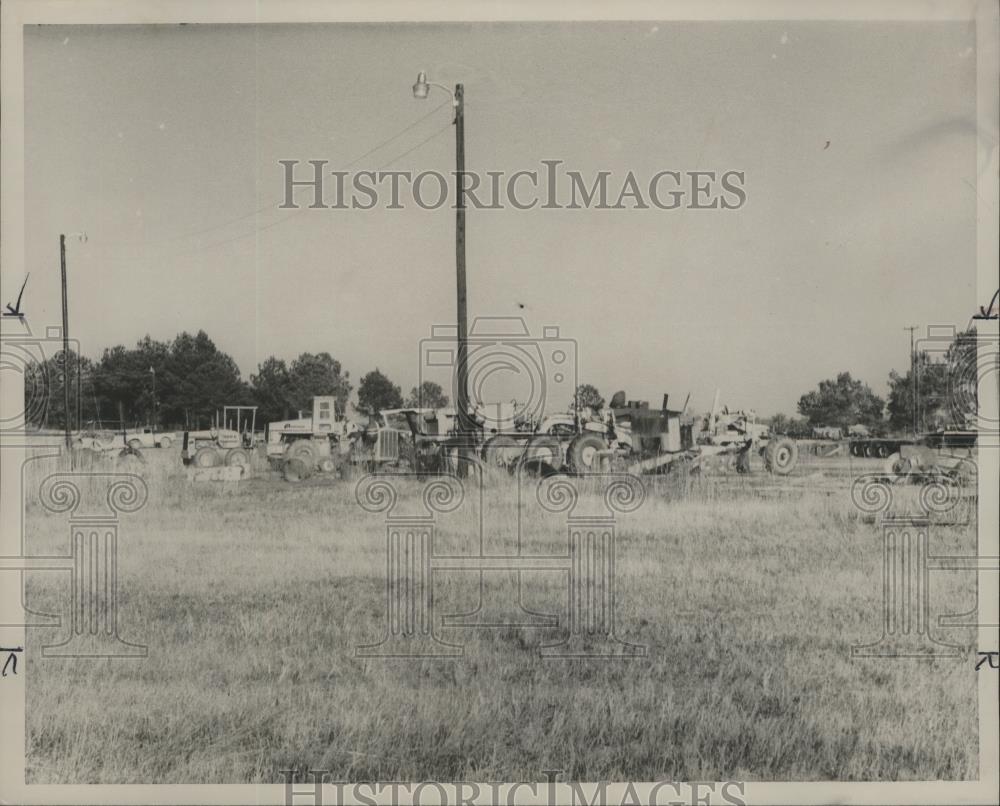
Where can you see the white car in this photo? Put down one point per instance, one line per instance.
(147, 438)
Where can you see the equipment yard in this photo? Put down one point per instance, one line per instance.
(747, 593)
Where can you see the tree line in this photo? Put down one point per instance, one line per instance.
(182, 384)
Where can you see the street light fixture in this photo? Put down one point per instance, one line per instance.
(421, 89)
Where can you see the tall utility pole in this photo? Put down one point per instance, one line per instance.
(421, 89)
(913, 380)
(460, 284)
(65, 338)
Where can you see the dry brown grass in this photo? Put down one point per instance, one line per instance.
(252, 601)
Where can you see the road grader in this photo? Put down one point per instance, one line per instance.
(626, 436)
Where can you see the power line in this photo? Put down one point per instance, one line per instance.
(258, 230)
(190, 234)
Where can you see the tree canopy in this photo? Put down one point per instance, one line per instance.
(842, 402)
(427, 395)
(377, 392)
(587, 396)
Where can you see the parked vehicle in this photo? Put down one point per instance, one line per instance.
(149, 438)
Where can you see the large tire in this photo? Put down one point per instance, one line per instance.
(237, 457)
(206, 457)
(165, 442)
(296, 469)
(782, 455)
(135, 444)
(582, 454)
(896, 465)
(543, 454)
(502, 451)
(304, 451)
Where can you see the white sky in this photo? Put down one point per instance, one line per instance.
(141, 136)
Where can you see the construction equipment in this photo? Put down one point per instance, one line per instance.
(326, 441)
(229, 442)
(631, 437)
(941, 456)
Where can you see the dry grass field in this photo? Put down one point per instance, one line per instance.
(253, 598)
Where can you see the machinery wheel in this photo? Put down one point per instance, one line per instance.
(582, 454)
(304, 451)
(206, 457)
(237, 457)
(782, 456)
(965, 473)
(134, 444)
(896, 465)
(296, 470)
(542, 450)
(327, 465)
(165, 442)
(501, 451)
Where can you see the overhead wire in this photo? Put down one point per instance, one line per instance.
(221, 225)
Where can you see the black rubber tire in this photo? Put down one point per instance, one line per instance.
(502, 451)
(205, 457)
(135, 444)
(166, 442)
(295, 469)
(304, 451)
(782, 456)
(542, 450)
(581, 457)
(238, 457)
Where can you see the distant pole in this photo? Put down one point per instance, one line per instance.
(152, 372)
(65, 337)
(913, 380)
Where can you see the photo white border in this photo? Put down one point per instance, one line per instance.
(16, 13)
